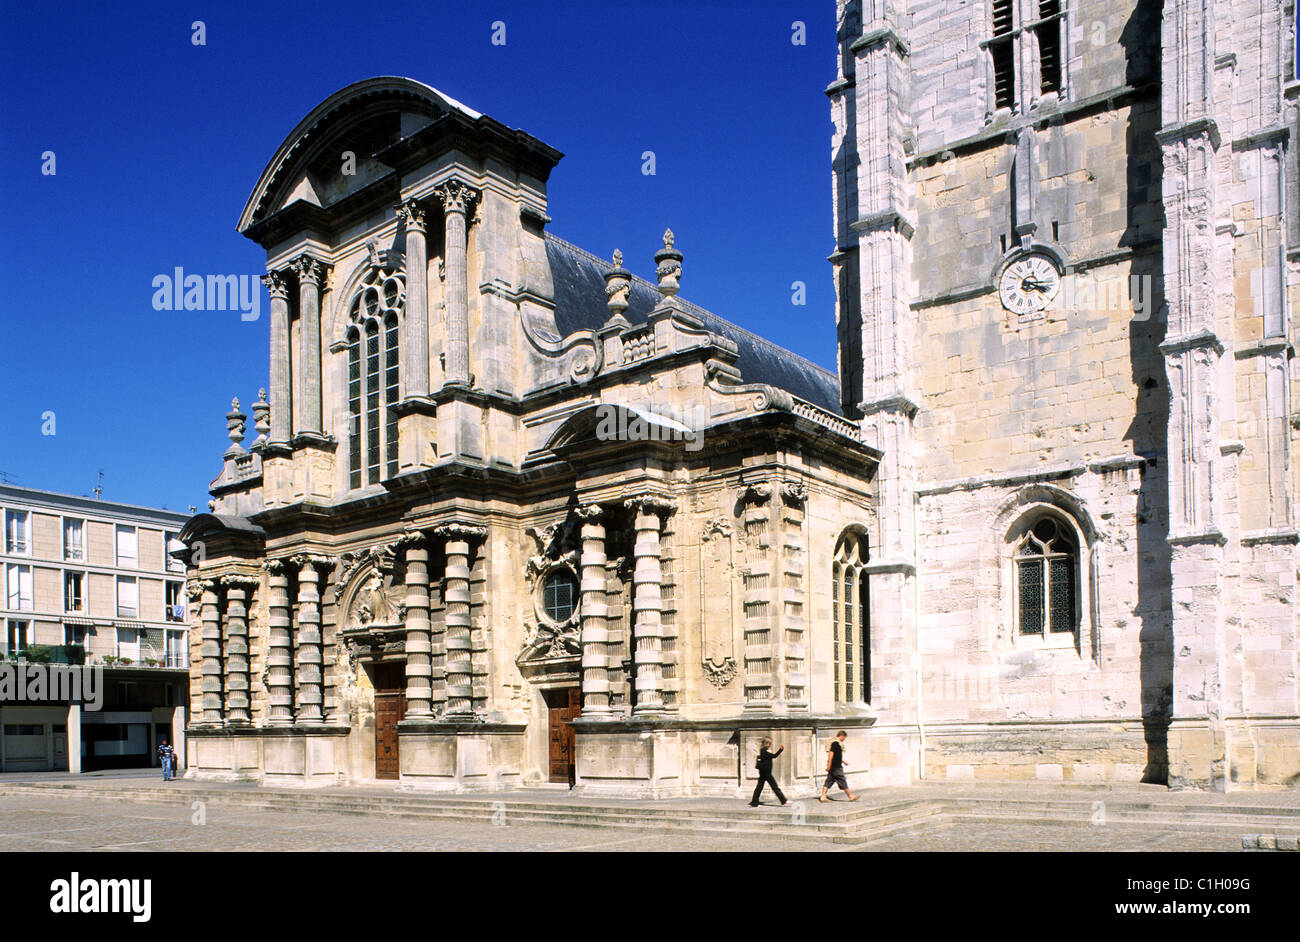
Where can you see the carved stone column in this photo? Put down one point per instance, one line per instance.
(210, 651)
(415, 343)
(460, 690)
(281, 397)
(310, 681)
(238, 589)
(647, 577)
(595, 611)
(279, 656)
(758, 579)
(419, 670)
(311, 275)
(457, 202)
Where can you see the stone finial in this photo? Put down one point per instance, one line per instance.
(235, 428)
(668, 263)
(261, 418)
(618, 286)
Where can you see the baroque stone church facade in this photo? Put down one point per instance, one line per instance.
(514, 516)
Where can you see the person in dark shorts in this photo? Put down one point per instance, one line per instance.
(835, 767)
(764, 766)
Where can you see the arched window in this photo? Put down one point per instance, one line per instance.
(560, 595)
(850, 620)
(1046, 576)
(373, 364)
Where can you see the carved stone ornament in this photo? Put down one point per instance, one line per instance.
(456, 196)
(720, 674)
(794, 492)
(754, 493)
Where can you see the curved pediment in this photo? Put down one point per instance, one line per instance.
(615, 422)
(370, 115)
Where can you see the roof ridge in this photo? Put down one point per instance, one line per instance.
(757, 338)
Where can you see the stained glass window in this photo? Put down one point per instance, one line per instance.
(1046, 562)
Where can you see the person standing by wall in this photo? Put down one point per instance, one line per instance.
(167, 755)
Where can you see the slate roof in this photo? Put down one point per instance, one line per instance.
(579, 281)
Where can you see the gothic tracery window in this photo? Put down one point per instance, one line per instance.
(850, 620)
(373, 361)
(1046, 567)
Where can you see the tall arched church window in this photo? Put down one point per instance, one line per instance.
(373, 369)
(1047, 566)
(850, 620)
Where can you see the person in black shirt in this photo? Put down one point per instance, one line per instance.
(764, 766)
(167, 755)
(835, 767)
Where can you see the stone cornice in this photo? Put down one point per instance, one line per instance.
(753, 493)
(1182, 130)
(1199, 340)
(1263, 348)
(885, 219)
(883, 36)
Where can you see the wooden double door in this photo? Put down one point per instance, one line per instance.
(390, 709)
(562, 708)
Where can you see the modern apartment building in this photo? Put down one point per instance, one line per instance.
(88, 582)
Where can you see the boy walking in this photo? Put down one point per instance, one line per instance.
(835, 767)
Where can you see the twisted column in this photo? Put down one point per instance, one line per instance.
(460, 687)
(594, 609)
(210, 653)
(279, 656)
(310, 681)
(419, 668)
(647, 577)
(415, 343)
(457, 200)
(278, 287)
(238, 588)
(311, 274)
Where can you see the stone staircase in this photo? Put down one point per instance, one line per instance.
(880, 813)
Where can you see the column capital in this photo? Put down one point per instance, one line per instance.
(794, 492)
(457, 196)
(318, 562)
(194, 590)
(277, 284)
(309, 268)
(412, 215)
(456, 530)
(753, 493)
(412, 539)
(276, 567)
(240, 580)
(651, 504)
(590, 513)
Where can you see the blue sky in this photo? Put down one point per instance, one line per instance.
(158, 143)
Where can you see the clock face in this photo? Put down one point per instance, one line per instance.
(1029, 284)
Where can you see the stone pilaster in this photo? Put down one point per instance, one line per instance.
(238, 589)
(279, 657)
(760, 676)
(311, 275)
(415, 340)
(460, 541)
(792, 602)
(457, 199)
(281, 397)
(419, 668)
(647, 577)
(210, 652)
(594, 614)
(310, 693)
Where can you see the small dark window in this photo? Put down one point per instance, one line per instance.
(560, 595)
(1049, 45)
(1003, 53)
